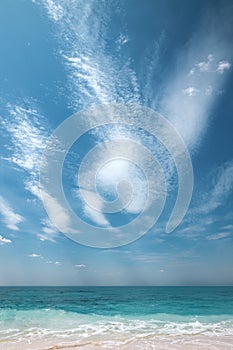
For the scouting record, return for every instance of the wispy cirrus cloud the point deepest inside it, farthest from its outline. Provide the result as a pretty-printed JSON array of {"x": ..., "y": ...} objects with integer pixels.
[
  {"x": 191, "y": 94},
  {"x": 216, "y": 194},
  {"x": 95, "y": 215},
  {"x": 58, "y": 214},
  {"x": 49, "y": 231},
  {"x": 95, "y": 75},
  {"x": 188, "y": 94},
  {"x": 9, "y": 217},
  {"x": 218, "y": 236},
  {"x": 98, "y": 76},
  {"x": 28, "y": 135},
  {"x": 222, "y": 188},
  {"x": 228, "y": 227}
]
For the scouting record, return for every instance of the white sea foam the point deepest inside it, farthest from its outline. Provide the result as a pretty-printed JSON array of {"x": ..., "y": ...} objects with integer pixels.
[{"x": 39, "y": 324}]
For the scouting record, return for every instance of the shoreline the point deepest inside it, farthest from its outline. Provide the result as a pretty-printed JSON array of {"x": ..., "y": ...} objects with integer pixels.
[{"x": 158, "y": 342}]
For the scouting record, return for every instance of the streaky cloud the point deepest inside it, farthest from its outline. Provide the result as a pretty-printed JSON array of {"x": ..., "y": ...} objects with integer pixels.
[{"x": 9, "y": 217}]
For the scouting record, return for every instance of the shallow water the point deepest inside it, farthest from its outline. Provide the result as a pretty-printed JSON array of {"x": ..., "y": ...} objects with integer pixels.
[{"x": 116, "y": 317}]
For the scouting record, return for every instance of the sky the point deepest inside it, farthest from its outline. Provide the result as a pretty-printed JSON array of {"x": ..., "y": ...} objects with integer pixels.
[{"x": 60, "y": 58}]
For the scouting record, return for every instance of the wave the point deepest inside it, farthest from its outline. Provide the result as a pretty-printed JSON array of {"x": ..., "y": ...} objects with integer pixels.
[
  {"x": 49, "y": 329},
  {"x": 63, "y": 324}
]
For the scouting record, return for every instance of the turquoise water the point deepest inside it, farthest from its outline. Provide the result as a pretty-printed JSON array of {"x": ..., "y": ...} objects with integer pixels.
[
  {"x": 121, "y": 301},
  {"x": 87, "y": 311}
]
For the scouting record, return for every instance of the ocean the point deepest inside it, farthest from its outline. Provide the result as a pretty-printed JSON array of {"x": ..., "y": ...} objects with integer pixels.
[{"x": 116, "y": 317}]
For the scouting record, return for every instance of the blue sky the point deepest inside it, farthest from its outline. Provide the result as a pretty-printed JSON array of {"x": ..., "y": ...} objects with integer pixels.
[{"x": 60, "y": 57}]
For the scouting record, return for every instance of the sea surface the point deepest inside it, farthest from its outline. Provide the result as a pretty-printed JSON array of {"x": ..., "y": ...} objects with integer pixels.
[{"x": 112, "y": 315}]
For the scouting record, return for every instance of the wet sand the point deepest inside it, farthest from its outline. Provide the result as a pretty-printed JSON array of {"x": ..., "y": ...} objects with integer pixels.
[{"x": 178, "y": 342}]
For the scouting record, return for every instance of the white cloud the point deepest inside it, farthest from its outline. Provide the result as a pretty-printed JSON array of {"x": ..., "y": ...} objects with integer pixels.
[
  {"x": 218, "y": 236},
  {"x": 190, "y": 115},
  {"x": 205, "y": 66},
  {"x": 122, "y": 40},
  {"x": 109, "y": 176},
  {"x": 34, "y": 255},
  {"x": 28, "y": 133},
  {"x": 113, "y": 171},
  {"x": 58, "y": 215},
  {"x": 191, "y": 91},
  {"x": 222, "y": 187},
  {"x": 57, "y": 263},
  {"x": 223, "y": 66},
  {"x": 49, "y": 231},
  {"x": 197, "y": 67},
  {"x": 9, "y": 217},
  {"x": 55, "y": 10},
  {"x": 96, "y": 77},
  {"x": 28, "y": 137},
  {"x": 210, "y": 66},
  {"x": 96, "y": 216},
  {"x": 228, "y": 227},
  {"x": 192, "y": 229},
  {"x": 4, "y": 240},
  {"x": 79, "y": 266}
]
